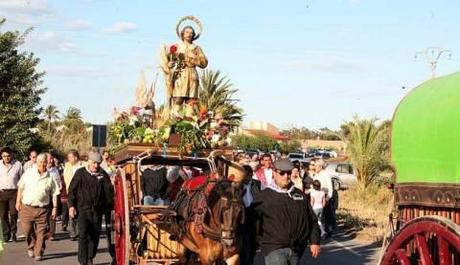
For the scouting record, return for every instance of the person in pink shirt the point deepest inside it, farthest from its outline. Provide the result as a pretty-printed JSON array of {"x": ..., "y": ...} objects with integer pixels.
[{"x": 265, "y": 173}]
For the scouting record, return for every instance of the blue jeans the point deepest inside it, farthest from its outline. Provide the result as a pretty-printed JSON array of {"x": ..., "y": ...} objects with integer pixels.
[
  {"x": 282, "y": 256},
  {"x": 149, "y": 200}
]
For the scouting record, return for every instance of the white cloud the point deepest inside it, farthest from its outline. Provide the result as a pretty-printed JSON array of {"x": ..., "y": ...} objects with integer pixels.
[
  {"x": 30, "y": 7},
  {"x": 121, "y": 27},
  {"x": 51, "y": 41},
  {"x": 79, "y": 24}
]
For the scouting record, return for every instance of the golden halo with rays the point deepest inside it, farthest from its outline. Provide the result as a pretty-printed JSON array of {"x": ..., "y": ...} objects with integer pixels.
[{"x": 193, "y": 19}]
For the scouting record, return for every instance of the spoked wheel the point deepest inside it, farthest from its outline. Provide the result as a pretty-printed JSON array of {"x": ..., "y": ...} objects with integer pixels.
[
  {"x": 429, "y": 240},
  {"x": 121, "y": 221}
]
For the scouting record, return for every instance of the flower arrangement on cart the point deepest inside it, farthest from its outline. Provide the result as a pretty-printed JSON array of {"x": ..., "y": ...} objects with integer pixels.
[{"x": 193, "y": 126}]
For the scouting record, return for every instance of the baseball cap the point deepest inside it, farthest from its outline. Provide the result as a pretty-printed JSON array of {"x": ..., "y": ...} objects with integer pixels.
[
  {"x": 95, "y": 157},
  {"x": 283, "y": 165}
]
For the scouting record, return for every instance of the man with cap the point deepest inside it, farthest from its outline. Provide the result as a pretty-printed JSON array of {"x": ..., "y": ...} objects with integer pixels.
[
  {"x": 90, "y": 194},
  {"x": 287, "y": 223}
]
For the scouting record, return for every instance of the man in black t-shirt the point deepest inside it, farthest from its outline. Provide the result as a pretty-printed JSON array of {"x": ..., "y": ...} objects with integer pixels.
[
  {"x": 287, "y": 222},
  {"x": 90, "y": 196},
  {"x": 154, "y": 186}
]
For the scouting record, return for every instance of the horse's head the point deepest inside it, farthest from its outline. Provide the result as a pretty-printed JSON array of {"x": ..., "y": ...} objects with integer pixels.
[{"x": 227, "y": 210}]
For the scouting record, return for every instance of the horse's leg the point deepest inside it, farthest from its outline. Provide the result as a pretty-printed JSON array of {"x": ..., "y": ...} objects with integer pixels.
[{"x": 233, "y": 260}]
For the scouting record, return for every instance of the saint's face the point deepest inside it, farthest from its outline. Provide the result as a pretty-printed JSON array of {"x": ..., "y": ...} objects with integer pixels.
[{"x": 188, "y": 35}]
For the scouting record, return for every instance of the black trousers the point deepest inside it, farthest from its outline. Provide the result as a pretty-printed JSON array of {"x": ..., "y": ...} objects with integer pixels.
[
  {"x": 108, "y": 232},
  {"x": 8, "y": 213},
  {"x": 89, "y": 229}
]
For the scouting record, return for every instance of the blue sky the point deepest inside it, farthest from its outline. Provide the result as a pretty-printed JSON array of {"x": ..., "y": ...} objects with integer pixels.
[{"x": 312, "y": 63}]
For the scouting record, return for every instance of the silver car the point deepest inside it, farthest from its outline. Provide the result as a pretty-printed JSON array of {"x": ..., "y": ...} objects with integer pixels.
[{"x": 343, "y": 175}]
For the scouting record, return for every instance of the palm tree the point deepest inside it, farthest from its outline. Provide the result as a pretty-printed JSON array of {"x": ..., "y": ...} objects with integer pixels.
[
  {"x": 367, "y": 147},
  {"x": 216, "y": 94},
  {"x": 73, "y": 120},
  {"x": 73, "y": 113},
  {"x": 50, "y": 114}
]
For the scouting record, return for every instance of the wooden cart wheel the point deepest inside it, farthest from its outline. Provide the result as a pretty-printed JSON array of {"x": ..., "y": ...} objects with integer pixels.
[
  {"x": 428, "y": 240},
  {"x": 121, "y": 221}
]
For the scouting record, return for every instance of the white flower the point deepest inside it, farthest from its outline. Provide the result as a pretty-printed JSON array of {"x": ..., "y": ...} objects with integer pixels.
[{"x": 132, "y": 120}]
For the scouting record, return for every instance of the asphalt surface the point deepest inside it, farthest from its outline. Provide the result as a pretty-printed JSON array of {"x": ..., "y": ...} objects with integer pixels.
[
  {"x": 341, "y": 249},
  {"x": 62, "y": 251}
]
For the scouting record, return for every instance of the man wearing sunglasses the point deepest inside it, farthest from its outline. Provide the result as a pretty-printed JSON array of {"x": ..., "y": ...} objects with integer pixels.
[{"x": 286, "y": 220}]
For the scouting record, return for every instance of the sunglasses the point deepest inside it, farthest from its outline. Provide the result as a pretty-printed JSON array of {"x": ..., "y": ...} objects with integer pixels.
[{"x": 284, "y": 172}]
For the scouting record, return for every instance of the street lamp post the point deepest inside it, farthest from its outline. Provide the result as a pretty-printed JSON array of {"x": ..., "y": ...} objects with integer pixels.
[{"x": 432, "y": 55}]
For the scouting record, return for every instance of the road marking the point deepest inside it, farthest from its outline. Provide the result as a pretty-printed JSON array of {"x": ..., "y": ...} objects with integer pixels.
[{"x": 346, "y": 248}]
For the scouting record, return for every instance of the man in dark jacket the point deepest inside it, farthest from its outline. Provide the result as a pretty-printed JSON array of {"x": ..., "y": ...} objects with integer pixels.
[
  {"x": 287, "y": 222},
  {"x": 90, "y": 195}
]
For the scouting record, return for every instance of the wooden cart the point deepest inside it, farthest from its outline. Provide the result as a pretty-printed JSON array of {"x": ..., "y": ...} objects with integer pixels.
[
  {"x": 138, "y": 240},
  {"x": 425, "y": 148}
]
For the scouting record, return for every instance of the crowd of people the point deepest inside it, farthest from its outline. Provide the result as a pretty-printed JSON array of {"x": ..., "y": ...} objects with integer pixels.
[
  {"x": 292, "y": 205},
  {"x": 43, "y": 190},
  {"x": 288, "y": 205}
]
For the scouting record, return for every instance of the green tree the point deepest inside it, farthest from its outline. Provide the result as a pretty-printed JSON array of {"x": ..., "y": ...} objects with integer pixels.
[
  {"x": 20, "y": 91},
  {"x": 50, "y": 114},
  {"x": 290, "y": 146},
  {"x": 216, "y": 93},
  {"x": 261, "y": 142},
  {"x": 367, "y": 147},
  {"x": 73, "y": 120}
]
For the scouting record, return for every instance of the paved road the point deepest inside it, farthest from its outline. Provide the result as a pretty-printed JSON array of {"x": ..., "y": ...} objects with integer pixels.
[
  {"x": 339, "y": 250},
  {"x": 342, "y": 249},
  {"x": 63, "y": 251}
]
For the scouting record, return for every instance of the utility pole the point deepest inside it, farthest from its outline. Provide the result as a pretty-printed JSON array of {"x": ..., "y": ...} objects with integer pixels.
[{"x": 432, "y": 56}]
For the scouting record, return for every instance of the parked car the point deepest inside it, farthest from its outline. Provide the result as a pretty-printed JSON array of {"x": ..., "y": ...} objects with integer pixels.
[
  {"x": 343, "y": 175},
  {"x": 276, "y": 153},
  {"x": 252, "y": 152},
  {"x": 300, "y": 157}
]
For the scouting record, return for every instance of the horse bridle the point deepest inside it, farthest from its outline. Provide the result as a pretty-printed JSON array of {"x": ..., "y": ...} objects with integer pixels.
[{"x": 229, "y": 213}]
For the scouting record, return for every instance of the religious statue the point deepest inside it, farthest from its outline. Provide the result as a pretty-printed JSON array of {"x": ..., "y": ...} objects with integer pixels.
[{"x": 179, "y": 62}]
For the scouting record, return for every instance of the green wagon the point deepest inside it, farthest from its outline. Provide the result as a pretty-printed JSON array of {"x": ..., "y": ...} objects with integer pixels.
[{"x": 425, "y": 149}]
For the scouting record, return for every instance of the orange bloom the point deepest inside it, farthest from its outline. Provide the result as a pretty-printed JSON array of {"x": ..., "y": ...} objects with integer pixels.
[{"x": 203, "y": 111}]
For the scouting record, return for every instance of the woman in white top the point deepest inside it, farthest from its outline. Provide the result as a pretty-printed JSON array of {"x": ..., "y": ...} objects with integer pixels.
[
  {"x": 318, "y": 202},
  {"x": 296, "y": 179}
]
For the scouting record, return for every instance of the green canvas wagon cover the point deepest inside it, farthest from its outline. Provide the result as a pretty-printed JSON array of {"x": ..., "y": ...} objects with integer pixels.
[{"x": 425, "y": 142}]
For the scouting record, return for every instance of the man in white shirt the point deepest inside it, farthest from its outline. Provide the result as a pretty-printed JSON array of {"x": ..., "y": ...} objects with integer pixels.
[
  {"x": 10, "y": 172},
  {"x": 35, "y": 189},
  {"x": 324, "y": 177}
]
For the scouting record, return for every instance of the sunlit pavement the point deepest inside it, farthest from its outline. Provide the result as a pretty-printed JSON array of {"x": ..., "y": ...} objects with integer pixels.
[
  {"x": 340, "y": 249},
  {"x": 62, "y": 251}
]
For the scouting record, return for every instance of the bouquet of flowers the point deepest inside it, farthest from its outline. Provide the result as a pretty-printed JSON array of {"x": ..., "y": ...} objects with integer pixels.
[
  {"x": 177, "y": 61},
  {"x": 194, "y": 123}
]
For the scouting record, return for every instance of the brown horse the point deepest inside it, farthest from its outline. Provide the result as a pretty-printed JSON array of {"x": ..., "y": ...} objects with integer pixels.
[{"x": 214, "y": 212}]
